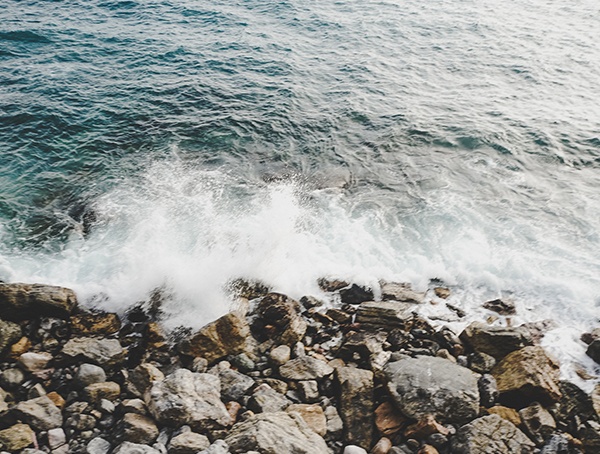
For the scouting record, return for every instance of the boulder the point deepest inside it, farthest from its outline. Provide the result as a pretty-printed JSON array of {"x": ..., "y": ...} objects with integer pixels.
[
  {"x": 312, "y": 415},
  {"x": 538, "y": 423},
  {"x": 40, "y": 413},
  {"x": 108, "y": 390},
  {"x": 278, "y": 318},
  {"x": 527, "y": 375},
  {"x": 388, "y": 420},
  {"x": 94, "y": 324},
  {"x": 491, "y": 435},
  {"x": 185, "y": 397},
  {"x": 20, "y": 301},
  {"x": 97, "y": 446},
  {"x": 429, "y": 385},
  {"x": 234, "y": 384},
  {"x": 9, "y": 334},
  {"x": 401, "y": 292},
  {"x": 56, "y": 438},
  {"x": 225, "y": 336},
  {"x": 218, "y": 447},
  {"x": 275, "y": 433},
  {"x": 34, "y": 362},
  {"x": 88, "y": 374},
  {"x": 16, "y": 438},
  {"x": 497, "y": 341},
  {"x": 574, "y": 406},
  {"x": 356, "y": 399},
  {"x": 308, "y": 391},
  {"x": 280, "y": 355},
  {"x": 188, "y": 443},
  {"x": 385, "y": 313},
  {"x": 305, "y": 368},
  {"x": 425, "y": 427},
  {"x": 355, "y": 294},
  {"x": 510, "y": 414},
  {"x": 103, "y": 352},
  {"x": 137, "y": 429},
  {"x": 142, "y": 377},
  {"x": 267, "y": 400}
]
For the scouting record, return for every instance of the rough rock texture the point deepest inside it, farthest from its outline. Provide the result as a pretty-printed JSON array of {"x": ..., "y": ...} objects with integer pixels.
[
  {"x": 502, "y": 307},
  {"x": 225, "y": 336},
  {"x": 185, "y": 397},
  {"x": 491, "y": 435},
  {"x": 108, "y": 390},
  {"x": 497, "y": 341},
  {"x": 88, "y": 374},
  {"x": 527, "y": 375},
  {"x": 279, "y": 318},
  {"x": 355, "y": 393},
  {"x": 510, "y": 414},
  {"x": 538, "y": 422},
  {"x": 388, "y": 313},
  {"x": 19, "y": 301},
  {"x": 275, "y": 433},
  {"x": 356, "y": 294},
  {"x": 305, "y": 368},
  {"x": 16, "y": 437},
  {"x": 430, "y": 385},
  {"x": 312, "y": 415},
  {"x": 134, "y": 448},
  {"x": 188, "y": 443},
  {"x": 34, "y": 362},
  {"x": 388, "y": 420},
  {"x": 401, "y": 292},
  {"x": 104, "y": 352},
  {"x": 142, "y": 377},
  {"x": 137, "y": 429},
  {"x": 234, "y": 384},
  {"x": 9, "y": 334},
  {"x": 94, "y": 324},
  {"x": 596, "y": 400},
  {"x": 40, "y": 413},
  {"x": 265, "y": 399}
]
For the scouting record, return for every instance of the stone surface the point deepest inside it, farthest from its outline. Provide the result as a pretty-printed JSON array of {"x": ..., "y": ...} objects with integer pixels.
[
  {"x": 104, "y": 352},
  {"x": 40, "y": 413},
  {"x": 596, "y": 400},
  {"x": 355, "y": 393},
  {"x": 305, "y": 368},
  {"x": 574, "y": 406},
  {"x": 137, "y": 428},
  {"x": 497, "y": 341},
  {"x": 355, "y": 294},
  {"x": 280, "y": 355},
  {"x": 188, "y": 443},
  {"x": 88, "y": 374},
  {"x": 218, "y": 447},
  {"x": 185, "y": 397},
  {"x": 388, "y": 420},
  {"x": 593, "y": 350},
  {"x": 104, "y": 390},
  {"x": 429, "y": 385},
  {"x": 538, "y": 423},
  {"x": 225, "y": 336},
  {"x": 308, "y": 391},
  {"x": 266, "y": 400},
  {"x": 527, "y": 375},
  {"x": 9, "y": 334},
  {"x": 353, "y": 449},
  {"x": 134, "y": 448},
  {"x": 234, "y": 384},
  {"x": 22, "y": 300},
  {"x": 425, "y": 427},
  {"x": 383, "y": 446},
  {"x": 275, "y": 433},
  {"x": 335, "y": 425},
  {"x": 312, "y": 415},
  {"x": 98, "y": 446},
  {"x": 56, "y": 438},
  {"x": 94, "y": 324},
  {"x": 279, "y": 319},
  {"x": 488, "y": 390},
  {"x": 401, "y": 292},
  {"x": 510, "y": 414},
  {"x": 502, "y": 307},
  {"x": 491, "y": 435},
  {"x": 16, "y": 437},
  {"x": 34, "y": 362},
  {"x": 481, "y": 362},
  {"x": 386, "y": 313},
  {"x": 142, "y": 377}
]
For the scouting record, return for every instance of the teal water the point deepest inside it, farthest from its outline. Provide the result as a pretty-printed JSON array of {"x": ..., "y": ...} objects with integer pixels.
[{"x": 184, "y": 143}]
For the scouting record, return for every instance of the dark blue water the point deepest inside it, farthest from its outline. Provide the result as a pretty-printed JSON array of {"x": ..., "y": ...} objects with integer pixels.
[{"x": 186, "y": 143}]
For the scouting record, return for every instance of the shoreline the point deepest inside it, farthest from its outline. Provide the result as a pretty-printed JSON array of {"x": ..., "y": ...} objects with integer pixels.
[{"x": 279, "y": 375}]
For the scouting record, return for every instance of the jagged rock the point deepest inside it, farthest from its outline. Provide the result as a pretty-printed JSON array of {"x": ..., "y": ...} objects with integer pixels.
[
  {"x": 9, "y": 334},
  {"x": 502, "y": 307},
  {"x": 590, "y": 337},
  {"x": 312, "y": 415},
  {"x": 40, "y": 413},
  {"x": 355, "y": 394},
  {"x": 16, "y": 437},
  {"x": 267, "y": 400},
  {"x": 280, "y": 355},
  {"x": 339, "y": 316},
  {"x": 538, "y": 423},
  {"x": 425, "y": 427},
  {"x": 560, "y": 444},
  {"x": 225, "y": 336},
  {"x": 386, "y": 313},
  {"x": 94, "y": 324},
  {"x": 137, "y": 428},
  {"x": 80, "y": 422},
  {"x": 308, "y": 391},
  {"x": 34, "y": 362},
  {"x": 305, "y": 368},
  {"x": 364, "y": 344},
  {"x": 527, "y": 375},
  {"x": 218, "y": 447},
  {"x": 481, "y": 362},
  {"x": 108, "y": 390},
  {"x": 278, "y": 385},
  {"x": 593, "y": 350},
  {"x": 488, "y": 390},
  {"x": 596, "y": 400},
  {"x": 491, "y": 435},
  {"x": 185, "y": 397},
  {"x": 134, "y": 448},
  {"x": 429, "y": 385},
  {"x": 279, "y": 319},
  {"x": 88, "y": 374},
  {"x": 19, "y": 301},
  {"x": 98, "y": 446},
  {"x": 332, "y": 285},
  {"x": 391, "y": 291},
  {"x": 274, "y": 433},
  {"x": 510, "y": 414},
  {"x": 356, "y": 294},
  {"x": 104, "y": 352},
  {"x": 142, "y": 377},
  {"x": 590, "y": 436},
  {"x": 388, "y": 420},
  {"x": 497, "y": 341},
  {"x": 574, "y": 406},
  {"x": 188, "y": 443},
  {"x": 234, "y": 384}
]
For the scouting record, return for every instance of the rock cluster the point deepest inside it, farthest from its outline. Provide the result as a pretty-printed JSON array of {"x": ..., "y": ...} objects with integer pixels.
[{"x": 284, "y": 377}]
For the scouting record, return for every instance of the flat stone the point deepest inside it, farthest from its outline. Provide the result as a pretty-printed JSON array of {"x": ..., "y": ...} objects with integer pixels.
[
  {"x": 312, "y": 415},
  {"x": 225, "y": 336},
  {"x": 20, "y": 301},
  {"x": 278, "y": 432},
  {"x": 9, "y": 334},
  {"x": 385, "y": 313},
  {"x": 104, "y": 352},
  {"x": 491, "y": 435},
  {"x": 94, "y": 324},
  {"x": 40, "y": 413},
  {"x": 355, "y": 389},
  {"x": 16, "y": 438},
  {"x": 305, "y": 368},
  {"x": 137, "y": 428},
  {"x": 34, "y": 362},
  {"x": 188, "y": 443},
  {"x": 497, "y": 341},
  {"x": 401, "y": 292},
  {"x": 88, "y": 374},
  {"x": 429, "y": 385}
]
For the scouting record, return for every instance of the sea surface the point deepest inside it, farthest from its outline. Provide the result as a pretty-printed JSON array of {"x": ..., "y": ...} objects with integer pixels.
[{"x": 182, "y": 144}]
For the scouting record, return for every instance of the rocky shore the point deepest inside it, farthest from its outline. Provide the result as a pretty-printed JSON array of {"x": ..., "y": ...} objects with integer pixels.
[{"x": 282, "y": 376}]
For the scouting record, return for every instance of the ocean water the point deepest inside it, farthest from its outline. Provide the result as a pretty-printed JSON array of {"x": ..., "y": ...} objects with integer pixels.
[{"x": 181, "y": 144}]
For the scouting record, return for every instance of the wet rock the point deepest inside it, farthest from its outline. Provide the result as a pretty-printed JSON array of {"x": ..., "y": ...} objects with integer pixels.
[
  {"x": 40, "y": 413},
  {"x": 88, "y": 374},
  {"x": 280, "y": 355},
  {"x": 142, "y": 377},
  {"x": 590, "y": 337},
  {"x": 234, "y": 384},
  {"x": 429, "y": 385},
  {"x": 385, "y": 313},
  {"x": 527, "y": 375},
  {"x": 279, "y": 319},
  {"x": 401, "y": 292},
  {"x": 104, "y": 390},
  {"x": 488, "y": 390},
  {"x": 34, "y": 362},
  {"x": 134, "y": 448},
  {"x": 497, "y": 341},
  {"x": 590, "y": 437},
  {"x": 510, "y": 414},
  {"x": 356, "y": 294},
  {"x": 225, "y": 336},
  {"x": 305, "y": 368},
  {"x": 312, "y": 415},
  {"x": 16, "y": 438},
  {"x": 425, "y": 427},
  {"x": 442, "y": 292},
  {"x": 9, "y": 334},
  {"x": 104, "y": 352},
  {"x": 188, "y": 443},
  {"x": 593, "y": 350},
  {"x": 388, "y": 420},
  {"x": 267, "y": 400},
  {"x": 278, "y": 432},
  {"x": 355, "y": 393},
  {"x": 137, "y": 428},
  {"x": 94, "y": 324},
  {"x": 185, "y": 397},
  {"x": 502, "y": 307},
  {"x": 491, "y": 435},
  {"x": 98, "y": 446},
  {"x": 339, "y": 316},
  {"x": 538, "y": 423},
  {"x": 20, "y": 301}
]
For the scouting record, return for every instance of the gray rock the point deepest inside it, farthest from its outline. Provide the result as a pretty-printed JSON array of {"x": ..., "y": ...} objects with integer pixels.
[
  {"x": 12, "y": 378},
  {"x": 274, "y": 433},
  {"x": 481, "y": 362},
  {"x": 88, "y": 374},
  {"x": 491, "y": 435},
  {"x": 559, "y": 444},
  {"x": 188, "y": 443},
  {"x": 98, "y": 446},
  {"x": 234, "y": 384},
  {"x": 134, "y": 448},
  {"x": 538, "y": 423},
  {"x": 387, "y": 313},
  {"x": 353, "y": 449},
  {"x": 218, "y": 447},
  {"x": 80, "y": 422},
  {"x": 34, "y": 362},
  {"x": 429, "y": 385},
  {"x": 497, "y": 341},
  {"x": 335, "y": 425},
  {"x": 40, "y": 413},
  {"x": 21, "y": 300},
  {"x": 137, "y": 429},
  {"x": 309, "y": 391},
  {"x": 104, "y": 352},
  {"x": 185, "y": 397},
  {"x": 267, "y": 400},
  {"x": 280, "y": 355},
  {"x": 355, "y": 393},
  {"x": 488, "y": 390},
  {"x": 9, "y": 334},
  {"x": 305, "y": 368},
  {"x": 401, "y": 292}
]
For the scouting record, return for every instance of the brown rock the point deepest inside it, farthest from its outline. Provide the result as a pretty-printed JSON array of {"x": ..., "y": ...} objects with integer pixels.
[
  {"x": 95, "y": 323},
  {"x": 332, "y": 285},
  {"x": 188, "y": 443},
  {"x": 16, "y": 438},
  {"x": 442, "y": 292},
  {"x": 527, "y": 375},
  {"x": 233, "y": 408},
  {"x": 355, "y": 393},
  {"x": 510, "y": 414},
  {"x": 137, "y": 428},
  {"x": 425, "y": 427},
  {"x": 20, "y": 301},
  {"x": 225, "y": 336},
  {"x": 502, "y": 307},
  {"x": 104, "y": 390},
  {"x": 20, "y": 347},
  {"x": 313, "y": 415},
  {"x": 388, "y": 420},
  {"x": 383, "y": 446},
  {"x": 155, "y": 336},
  {"x": 9, "y": 334},
  {"x": 279, "y": 318},
  {"x": 57, "y": 399},
  {"x": 497, "y": 341},
  {"x": 538, "y": 422},
  {"x": 596, "y": 400}
]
